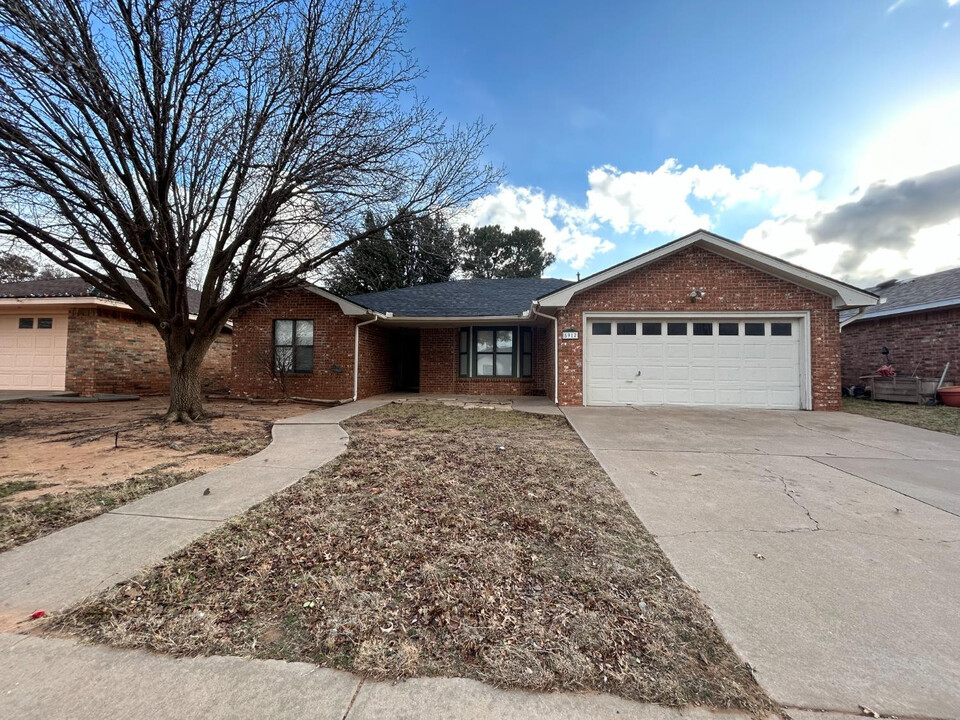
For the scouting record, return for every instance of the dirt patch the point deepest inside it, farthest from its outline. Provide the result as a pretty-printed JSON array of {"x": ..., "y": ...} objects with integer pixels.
[
  {"x": 64, "y": 463},
  {"x": 450, "y": 542},
  {"x": 66, "y": 447},
  {"x": 939, "y": 418}
]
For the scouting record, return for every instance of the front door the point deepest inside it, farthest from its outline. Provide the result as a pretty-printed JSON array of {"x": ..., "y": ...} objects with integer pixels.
[{"x": 407, "y": 361}]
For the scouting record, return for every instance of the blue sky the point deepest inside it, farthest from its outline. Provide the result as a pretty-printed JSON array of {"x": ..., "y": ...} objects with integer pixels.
[{"x": 795, "y": 127}]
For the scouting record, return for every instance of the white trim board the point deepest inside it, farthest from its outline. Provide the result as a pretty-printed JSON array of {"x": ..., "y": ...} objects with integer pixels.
[
  {"x": 803, "y": 316},
  {"x": 843, "y": 295}
]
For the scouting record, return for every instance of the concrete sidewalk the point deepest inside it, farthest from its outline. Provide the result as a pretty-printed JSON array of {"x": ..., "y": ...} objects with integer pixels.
[
  {"x": 52, "y": 679},
  {"x": 57, "y": 571}
]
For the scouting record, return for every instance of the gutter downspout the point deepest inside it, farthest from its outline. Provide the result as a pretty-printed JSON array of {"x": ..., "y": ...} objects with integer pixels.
[
  {"x": 356, "y": 353},
  {"x": 556, "y": 352}
]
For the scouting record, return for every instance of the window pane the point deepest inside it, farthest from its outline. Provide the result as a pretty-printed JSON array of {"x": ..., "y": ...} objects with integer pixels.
[
  {"x": 781, "y": 329},
  {"x": 304, "y": 359},
  {"x": 283, "y": 358},
  {"x": 504, "y": 340},
  {"x": 600, "y": 328},
  {"x": 652, "y": 329},
  {"x": 677, "y": 328},
  {"x": 283, "y": 332},
  {"x": 484, "y": 340},
  {"x": 47, "y": 323},
  {"x": 484, "y": 365},
  {"x": 703, "y": 328},
  {"x": 753, "y": 329},
  {"x": 464, "y": 365},
  {"x": 464, "y": 341},
  {"x": 729, "y": 328},
  {"x": 505, "y": 365},
  {"x": 526, "y": 339},
  {"x": 526, "y": 366},
  {"x": 304, "y": 332},
  {"x": 26, "y": 323},
  {"x": 626, "y": 328}
]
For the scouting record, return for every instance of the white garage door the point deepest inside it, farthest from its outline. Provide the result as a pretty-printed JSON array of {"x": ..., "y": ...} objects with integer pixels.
[
  {"x": 676, "y": 360},
  {"x": 33, "y": 351}
]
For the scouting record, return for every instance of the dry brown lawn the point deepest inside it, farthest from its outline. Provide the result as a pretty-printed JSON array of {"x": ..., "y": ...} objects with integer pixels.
[
  {"x": 62, "y": 463},
  {"x": 449, "y": 542},
  {"x": 939, "y": 418}
]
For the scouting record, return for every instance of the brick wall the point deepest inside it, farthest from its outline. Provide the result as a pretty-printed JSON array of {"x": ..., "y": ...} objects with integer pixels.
[
  {"x": 376, "y": 360},
  {"x": 110, "y": 351},
  {"x": 332, "y": 376},
  {"x": 664, "y": 286},
  {"x": 439, "y": 367},
  {"x": 926, "y": 341}
]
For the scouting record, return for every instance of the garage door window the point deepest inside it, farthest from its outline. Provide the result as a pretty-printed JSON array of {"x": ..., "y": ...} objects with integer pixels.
[
  {"x": 600, "y": 328},
  {"x": 652, "y": 328},
  {"x": 703, "y": 328},
  {"x": 626, "y": 328},
  {"x": 677, "y": 328},
  {"x": 728, "y": 328},
  {"x": 753, "y": 329},
  {"x": 44, "y": 323},
  {"x": 26, "y": 324},
  {"x": 781, "y": 329}
]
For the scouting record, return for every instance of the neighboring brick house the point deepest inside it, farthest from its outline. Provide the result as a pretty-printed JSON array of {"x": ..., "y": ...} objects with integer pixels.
[
  {"x": 917, "y": 320},
  {"x": 699, "y": 321},
  {"x": 58, "y": 334}
]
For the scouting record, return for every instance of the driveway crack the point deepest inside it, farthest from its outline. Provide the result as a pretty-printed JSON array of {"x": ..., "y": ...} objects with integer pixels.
[
  {"x": 793, "y": 498},
  {"x": 799, "y": 424}
]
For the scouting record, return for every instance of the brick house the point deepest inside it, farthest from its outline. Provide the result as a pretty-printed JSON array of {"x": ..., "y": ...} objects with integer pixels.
[
  {"x": 917, "y": 320},
  {"x": 699, "y": 321},
  {"x": 58, "y": 334}
]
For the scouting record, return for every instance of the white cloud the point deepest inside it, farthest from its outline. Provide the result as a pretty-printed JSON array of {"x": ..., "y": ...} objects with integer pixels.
[
  {"x": 659, "y": 201},
  {"x": 566, "y": 229}
]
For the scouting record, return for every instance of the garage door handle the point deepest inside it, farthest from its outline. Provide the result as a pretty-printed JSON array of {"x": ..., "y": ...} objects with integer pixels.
[{"x": 638, "y": 373}]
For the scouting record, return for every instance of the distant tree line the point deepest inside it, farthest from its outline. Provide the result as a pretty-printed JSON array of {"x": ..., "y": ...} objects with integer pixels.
[
  {"x": 423, "y": 250},
  {"x": 17, "y": 268}
]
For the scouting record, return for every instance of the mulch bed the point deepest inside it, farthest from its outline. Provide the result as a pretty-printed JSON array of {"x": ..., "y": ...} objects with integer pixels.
[{"x": 445, "y": 541}]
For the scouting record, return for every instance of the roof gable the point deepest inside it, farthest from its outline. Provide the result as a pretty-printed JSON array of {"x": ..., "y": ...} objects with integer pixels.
[{"x": 843, "y": 295}]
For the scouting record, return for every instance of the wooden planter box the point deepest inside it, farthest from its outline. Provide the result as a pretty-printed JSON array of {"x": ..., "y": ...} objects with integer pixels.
[{"x": 902, "y": 389}]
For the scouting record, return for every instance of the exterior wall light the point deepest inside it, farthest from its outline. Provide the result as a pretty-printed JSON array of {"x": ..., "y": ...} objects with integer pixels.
[{"x": 697, "y": 295}]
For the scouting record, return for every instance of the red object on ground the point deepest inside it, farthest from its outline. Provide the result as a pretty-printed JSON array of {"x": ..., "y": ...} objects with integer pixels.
[
  {"x": 950, "y": 396},
  {"x": 38, "y": 614}
]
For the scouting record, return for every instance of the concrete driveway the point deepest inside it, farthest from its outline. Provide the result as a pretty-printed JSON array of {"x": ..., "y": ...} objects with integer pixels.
[{"x": 827, "y": 545}]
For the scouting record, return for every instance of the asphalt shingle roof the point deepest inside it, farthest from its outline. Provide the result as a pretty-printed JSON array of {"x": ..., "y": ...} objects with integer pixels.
[
  {"x": 462, "y": 298},
  {"x": 73, "y": 287},
  {"x": 939, "y": 287}
]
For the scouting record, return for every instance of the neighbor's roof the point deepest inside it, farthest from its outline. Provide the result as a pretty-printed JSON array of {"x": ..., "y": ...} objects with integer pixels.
[
  {"x": 462, "y": 298},
  {"x": 74, "y": 287},
  {"x": 927, "y": 292}
]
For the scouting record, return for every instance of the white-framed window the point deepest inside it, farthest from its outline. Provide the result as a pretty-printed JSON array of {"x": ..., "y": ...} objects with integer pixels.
[{"x": 293, "y": 345}]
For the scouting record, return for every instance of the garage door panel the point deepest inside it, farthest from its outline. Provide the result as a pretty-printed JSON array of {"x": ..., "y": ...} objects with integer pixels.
[
  {"x": 702, "y": 370},
  {"x": 33, "y": 358}
]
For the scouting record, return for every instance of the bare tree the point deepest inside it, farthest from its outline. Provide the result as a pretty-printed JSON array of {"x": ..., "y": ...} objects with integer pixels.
[{"x": 234, "y": 144}]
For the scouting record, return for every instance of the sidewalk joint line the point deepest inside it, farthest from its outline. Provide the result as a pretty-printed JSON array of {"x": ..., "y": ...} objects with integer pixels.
[
  {"x": 353, "y": 699},
  {"x": 164, "y": 517}
]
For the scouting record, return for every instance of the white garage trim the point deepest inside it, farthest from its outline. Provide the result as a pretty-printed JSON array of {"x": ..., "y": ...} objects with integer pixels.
[{"x": 802, "y": 316}]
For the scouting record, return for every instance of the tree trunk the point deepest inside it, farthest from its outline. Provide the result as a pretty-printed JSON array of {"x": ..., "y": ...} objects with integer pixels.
[{"x": 186, "y": 400}]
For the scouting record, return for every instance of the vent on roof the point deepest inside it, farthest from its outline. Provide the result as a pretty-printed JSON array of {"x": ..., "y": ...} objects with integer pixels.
[{"x": 887, "y": 284}]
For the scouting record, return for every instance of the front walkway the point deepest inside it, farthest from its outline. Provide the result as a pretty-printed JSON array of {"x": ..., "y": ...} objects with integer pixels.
[
  {"x": 827, "y": 545},
  {"x": 57, "y": 571}
]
